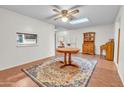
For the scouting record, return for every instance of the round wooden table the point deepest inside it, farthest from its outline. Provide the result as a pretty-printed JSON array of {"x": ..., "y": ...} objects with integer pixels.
[{"x": 68, "y": 51}]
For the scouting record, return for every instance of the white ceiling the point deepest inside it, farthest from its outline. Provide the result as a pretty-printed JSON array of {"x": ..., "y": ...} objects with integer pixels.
[{"x": 98, "y": 15}]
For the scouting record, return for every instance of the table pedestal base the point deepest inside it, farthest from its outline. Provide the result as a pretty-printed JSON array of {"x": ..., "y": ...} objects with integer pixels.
[
  {"x": 61, "y": 62},
  {"x": 74, "y": 65}
]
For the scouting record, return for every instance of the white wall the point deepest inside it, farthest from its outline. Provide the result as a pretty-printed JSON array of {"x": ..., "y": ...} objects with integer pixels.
[
  {"x": 10, "y": 55},
  {"x": 120, "y": 23},
  {"x": 103, "y": 34}
]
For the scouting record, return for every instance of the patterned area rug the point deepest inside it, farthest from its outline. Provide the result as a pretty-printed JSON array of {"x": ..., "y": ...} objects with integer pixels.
[{"x": 51, "y": 75}]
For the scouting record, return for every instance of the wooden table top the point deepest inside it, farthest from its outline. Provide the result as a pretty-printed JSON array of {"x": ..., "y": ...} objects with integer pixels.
[{"x": 68, "y": 50}]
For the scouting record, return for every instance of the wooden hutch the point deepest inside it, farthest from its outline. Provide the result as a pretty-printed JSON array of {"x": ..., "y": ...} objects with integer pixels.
[{"x": 88, "y": 46}]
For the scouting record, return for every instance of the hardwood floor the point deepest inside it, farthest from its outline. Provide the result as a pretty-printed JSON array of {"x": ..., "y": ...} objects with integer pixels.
[{"x": 104, "y": 75}]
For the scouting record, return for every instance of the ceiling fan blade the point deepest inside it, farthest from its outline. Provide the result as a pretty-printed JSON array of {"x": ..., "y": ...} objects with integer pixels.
[
  {"x": 58, "y": 18},
  {"x": 74, "y": 11},
  {"x": 76, "y": 6},
  {"x": 55, "y": 10},
  {"x": 56, "y": 7}
]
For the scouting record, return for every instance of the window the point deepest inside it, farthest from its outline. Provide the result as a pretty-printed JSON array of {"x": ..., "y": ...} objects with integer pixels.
[{"x": 26, "y": 39}]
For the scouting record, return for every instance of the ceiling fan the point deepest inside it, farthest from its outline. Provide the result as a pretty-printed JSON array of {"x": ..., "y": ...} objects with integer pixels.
[{"x": 65, "y": 14}]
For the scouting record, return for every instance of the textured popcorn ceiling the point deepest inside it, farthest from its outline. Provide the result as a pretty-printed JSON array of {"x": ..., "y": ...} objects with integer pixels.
[{"x": 97, "y": 14}]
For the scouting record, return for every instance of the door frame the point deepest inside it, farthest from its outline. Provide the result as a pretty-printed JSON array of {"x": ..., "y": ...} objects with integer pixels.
[{"x": 118, "y": 50}]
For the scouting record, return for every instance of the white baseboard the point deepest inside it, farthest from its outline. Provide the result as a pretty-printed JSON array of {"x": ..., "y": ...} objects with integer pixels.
[{"x": 119, "y": 74}]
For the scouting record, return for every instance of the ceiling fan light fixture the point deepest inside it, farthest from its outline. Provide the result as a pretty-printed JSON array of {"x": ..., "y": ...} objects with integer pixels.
[{"x": 64, "y": 19}]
